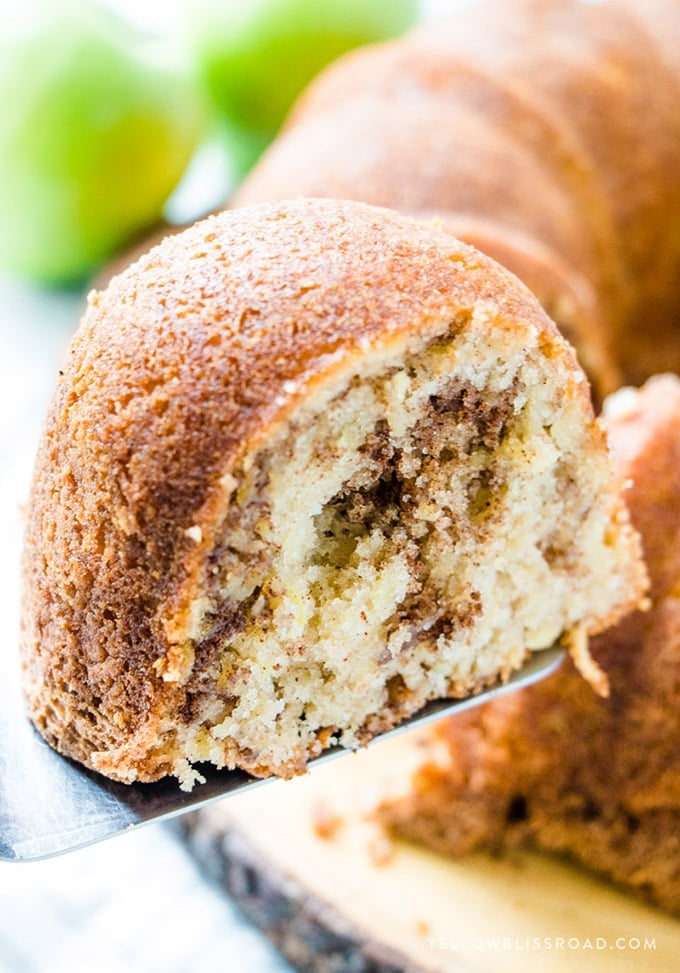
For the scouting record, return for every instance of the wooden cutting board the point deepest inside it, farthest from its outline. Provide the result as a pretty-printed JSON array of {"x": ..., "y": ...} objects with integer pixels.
[{"x": 306, "y": 863}]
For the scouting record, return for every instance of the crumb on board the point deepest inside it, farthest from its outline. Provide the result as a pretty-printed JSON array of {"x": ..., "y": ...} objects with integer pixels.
[{"x": 326, "y": 821}]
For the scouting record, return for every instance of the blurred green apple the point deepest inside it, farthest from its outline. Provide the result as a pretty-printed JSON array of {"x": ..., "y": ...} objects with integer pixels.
[
  {"x": 256, "y": 56},
  {"x": 97, "y": 125}
]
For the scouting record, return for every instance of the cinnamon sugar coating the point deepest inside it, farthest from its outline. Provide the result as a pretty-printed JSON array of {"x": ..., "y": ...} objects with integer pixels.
[
  {"x": 543, "y": 132},
  {"x": 288, "y": 452}
]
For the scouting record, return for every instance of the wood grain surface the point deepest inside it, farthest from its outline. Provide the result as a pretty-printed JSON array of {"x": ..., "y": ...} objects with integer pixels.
[{"x": 309, "y": 866}]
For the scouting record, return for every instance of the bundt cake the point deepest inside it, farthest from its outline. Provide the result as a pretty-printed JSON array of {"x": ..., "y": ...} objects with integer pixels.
[
  {"x": 544, "y": 132},
  {"x": 555, "y": 766},
  {"x": 309, "y": 465}
]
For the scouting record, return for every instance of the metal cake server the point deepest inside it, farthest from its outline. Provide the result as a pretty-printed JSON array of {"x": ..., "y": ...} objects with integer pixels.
[{"x": 50, "y": 805}]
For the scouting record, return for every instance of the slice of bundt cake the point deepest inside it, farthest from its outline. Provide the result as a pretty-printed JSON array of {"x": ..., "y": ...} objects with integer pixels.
[
  {"x": 309, "y": 465},
  {"x": 557, "y": 767}
]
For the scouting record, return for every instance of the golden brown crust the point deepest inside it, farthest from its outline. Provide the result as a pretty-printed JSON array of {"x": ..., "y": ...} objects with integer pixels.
[
  {"x": 566, "y": 295},
  {"x": 554, "y": 118},
  {"x": 558, "y": 768},
  {"x": 175, "y": 372}
]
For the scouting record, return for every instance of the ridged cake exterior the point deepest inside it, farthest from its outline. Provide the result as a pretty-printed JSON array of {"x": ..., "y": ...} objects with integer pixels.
[{"x": 543, "y": 132}]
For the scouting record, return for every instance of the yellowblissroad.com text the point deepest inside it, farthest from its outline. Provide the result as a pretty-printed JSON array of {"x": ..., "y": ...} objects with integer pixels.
[{"x": 541, "y": 943}]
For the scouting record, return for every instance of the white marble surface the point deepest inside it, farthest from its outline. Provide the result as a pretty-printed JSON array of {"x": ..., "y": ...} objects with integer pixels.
[{"x": 137, "y": 903}]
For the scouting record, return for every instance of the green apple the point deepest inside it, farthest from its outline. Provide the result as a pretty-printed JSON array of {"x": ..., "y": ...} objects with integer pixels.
[
  {"x": 256, "y": 56},
  {"x": 97, "y": 124}
]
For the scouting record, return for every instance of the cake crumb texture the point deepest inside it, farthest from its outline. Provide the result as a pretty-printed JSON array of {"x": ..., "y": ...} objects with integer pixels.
[
  {"x": 554, "y": 766},
  {"x": 310, "y": 464}
]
